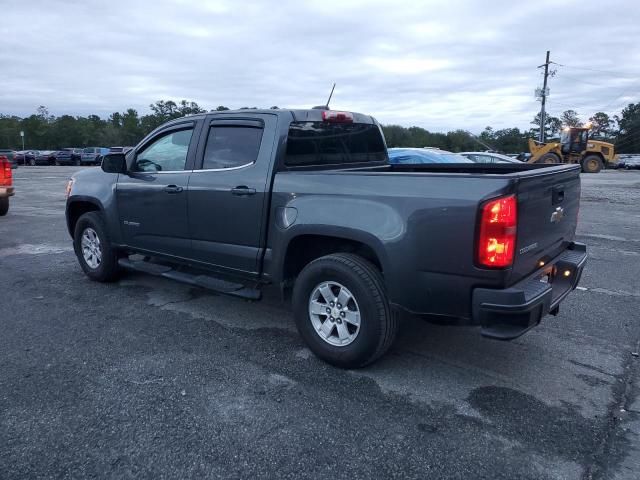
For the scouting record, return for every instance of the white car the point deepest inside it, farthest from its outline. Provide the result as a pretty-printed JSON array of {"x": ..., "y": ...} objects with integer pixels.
[{"x": 489, "y": 157}]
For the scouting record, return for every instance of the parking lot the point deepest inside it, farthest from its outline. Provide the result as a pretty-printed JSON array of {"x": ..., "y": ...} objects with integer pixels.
[{"x": 149, "y": 378}]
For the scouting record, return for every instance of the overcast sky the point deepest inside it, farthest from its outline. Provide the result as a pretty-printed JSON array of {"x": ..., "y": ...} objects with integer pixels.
[{"x": 441, "y": 65}]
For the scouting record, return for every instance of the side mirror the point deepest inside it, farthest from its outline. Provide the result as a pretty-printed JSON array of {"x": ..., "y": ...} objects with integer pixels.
[{"x": 114, "y": 163}]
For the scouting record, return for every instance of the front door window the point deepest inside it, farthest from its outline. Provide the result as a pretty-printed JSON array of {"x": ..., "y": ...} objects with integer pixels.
[{"x": 166, "y": 154}]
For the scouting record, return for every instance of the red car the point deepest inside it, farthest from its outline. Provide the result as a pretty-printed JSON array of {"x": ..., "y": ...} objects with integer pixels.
[{"x": 6, "y": 185}]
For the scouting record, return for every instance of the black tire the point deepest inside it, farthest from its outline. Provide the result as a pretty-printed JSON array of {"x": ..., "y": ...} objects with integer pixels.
[
  {"x": 57, "y": 163},
  {"x": 76, "y": 162},
  {"x": 592, "y": 164},
  {"x": 378, "y": 323},
  {"x": 549, "y": 158},
  {"x": 32, "y": 162},
  {"x": 107, "y": 270},
  {"x": 4, "y": 206}
]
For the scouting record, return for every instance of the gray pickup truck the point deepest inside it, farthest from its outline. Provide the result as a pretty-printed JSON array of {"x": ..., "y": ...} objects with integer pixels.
[{"x": 307, "y": 200}]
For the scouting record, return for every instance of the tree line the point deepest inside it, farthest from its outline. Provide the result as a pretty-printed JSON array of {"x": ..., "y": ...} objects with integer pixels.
[{"x": 44, "y": 131}]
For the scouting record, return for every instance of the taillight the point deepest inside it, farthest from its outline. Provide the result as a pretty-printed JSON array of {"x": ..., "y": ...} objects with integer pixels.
[
  {"x": 497, "y": 238},
  {"x": 337, "y": 117},
  {"x": 6, "y": 177}
]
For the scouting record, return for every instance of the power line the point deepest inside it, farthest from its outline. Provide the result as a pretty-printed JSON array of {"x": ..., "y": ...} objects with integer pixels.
[
  {"x": 595, "y": 70},
  {"x": 578, "y": 79}
]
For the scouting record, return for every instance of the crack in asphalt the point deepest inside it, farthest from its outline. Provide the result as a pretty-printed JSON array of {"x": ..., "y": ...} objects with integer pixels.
[{"x": 602, "y": 460}]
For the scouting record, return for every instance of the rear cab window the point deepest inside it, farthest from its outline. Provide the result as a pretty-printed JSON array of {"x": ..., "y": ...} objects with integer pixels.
[{"x": 317, "y": 143}]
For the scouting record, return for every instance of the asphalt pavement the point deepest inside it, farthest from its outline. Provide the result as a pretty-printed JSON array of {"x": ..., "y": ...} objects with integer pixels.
[{"x": 147, "y": 378}]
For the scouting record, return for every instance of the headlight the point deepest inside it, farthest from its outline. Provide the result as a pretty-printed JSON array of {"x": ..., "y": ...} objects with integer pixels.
[{"x": 69, "y": 187}]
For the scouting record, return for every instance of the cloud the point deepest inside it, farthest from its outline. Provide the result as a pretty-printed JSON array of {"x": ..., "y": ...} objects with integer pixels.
[{"x": 459, "y": 64}]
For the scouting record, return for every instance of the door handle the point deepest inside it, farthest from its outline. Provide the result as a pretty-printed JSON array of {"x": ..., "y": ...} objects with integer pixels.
[
  {"x": 172, "y": 189},
  {"x": 243, "y": 190}
]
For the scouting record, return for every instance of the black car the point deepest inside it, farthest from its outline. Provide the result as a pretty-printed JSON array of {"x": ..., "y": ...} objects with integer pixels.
[
  {"x": 11, "y": 156},
  {"x": 44, "y": 157},
  {"x": 26, "y": 157},
  {"x": 68, "y": 156}
]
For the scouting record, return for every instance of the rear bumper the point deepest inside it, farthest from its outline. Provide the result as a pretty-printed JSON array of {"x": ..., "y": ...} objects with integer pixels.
[
  {"x": 6, "y": 192},
  {"x": 507, "y": 314}
]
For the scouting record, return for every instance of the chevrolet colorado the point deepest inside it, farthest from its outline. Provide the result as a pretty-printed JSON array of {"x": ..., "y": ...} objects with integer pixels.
[{"x": 307, "y": 200}]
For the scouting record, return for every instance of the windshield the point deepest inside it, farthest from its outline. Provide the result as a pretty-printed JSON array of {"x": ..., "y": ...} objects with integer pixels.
[{"x": 424, "y": 155}]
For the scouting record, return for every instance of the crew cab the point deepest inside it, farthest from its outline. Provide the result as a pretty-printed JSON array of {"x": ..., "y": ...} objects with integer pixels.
[
  {"x": 6, "y": 185},
  {"x": 308, "y": 201}
]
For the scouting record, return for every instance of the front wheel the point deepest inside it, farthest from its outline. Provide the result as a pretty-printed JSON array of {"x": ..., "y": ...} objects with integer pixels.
[
  {"x": 342, "y": 311},
  {"x": 591, "y": 164},
  {"x": 96, "y": 256},
  {"x": 549, "y": 158},
  {"x": 4, "y": 206},
  {"x": 32, "y": 162}
]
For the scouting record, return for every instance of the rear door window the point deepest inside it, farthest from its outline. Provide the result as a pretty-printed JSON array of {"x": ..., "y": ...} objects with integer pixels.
[
  {"x": 230, "y": 146},
  {"x": 323, "y": 143}
]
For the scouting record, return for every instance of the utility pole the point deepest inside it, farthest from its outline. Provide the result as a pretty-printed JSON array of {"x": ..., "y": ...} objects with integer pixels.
[{"x": 544, "y": 96}]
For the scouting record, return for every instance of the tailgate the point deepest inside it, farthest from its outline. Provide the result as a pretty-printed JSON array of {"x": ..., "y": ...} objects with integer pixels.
[{"x": 548, "y": 204}]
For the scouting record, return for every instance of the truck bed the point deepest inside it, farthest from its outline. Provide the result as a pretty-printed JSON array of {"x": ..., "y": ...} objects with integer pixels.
[{"x": 422, "y": 220}]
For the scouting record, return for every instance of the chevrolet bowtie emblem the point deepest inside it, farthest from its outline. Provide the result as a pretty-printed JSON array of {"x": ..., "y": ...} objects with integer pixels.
[{"x": 557, "y": 215}]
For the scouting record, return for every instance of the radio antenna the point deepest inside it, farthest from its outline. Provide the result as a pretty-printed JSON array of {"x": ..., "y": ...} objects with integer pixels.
[
  {"x": 326, "y": 105},
  {"x": 330, "y": 95}
]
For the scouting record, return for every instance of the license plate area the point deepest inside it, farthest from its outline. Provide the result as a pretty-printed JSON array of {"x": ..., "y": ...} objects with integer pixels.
[{"x": 546, "y": 277}]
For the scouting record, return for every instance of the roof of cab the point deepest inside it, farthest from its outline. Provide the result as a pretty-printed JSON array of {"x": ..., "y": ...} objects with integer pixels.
[{"x": 300, "y": 115}]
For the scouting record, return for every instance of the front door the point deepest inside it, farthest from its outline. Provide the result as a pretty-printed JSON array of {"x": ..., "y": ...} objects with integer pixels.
[
  {"x": 152, "y": 195},
  {"x": 228, "y": 191}
]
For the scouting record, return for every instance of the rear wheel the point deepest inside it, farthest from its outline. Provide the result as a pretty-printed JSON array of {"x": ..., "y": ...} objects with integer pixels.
[
  {"x": 32, "y": 162},
  {"x": 4, "y": 206},
  {"x": 342, "y": 312},
  {"x": 98, "y": 259},
  {"x": 591, "y": 164},
  {"x": 549, "y": 158}
]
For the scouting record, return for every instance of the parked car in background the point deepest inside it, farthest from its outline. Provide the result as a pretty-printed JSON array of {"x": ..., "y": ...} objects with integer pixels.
[
  {"x": 489, "y": 157},
  {"x": 93, "y": 155},
  {"x": 632, "y": 163},
  {"x": 6, "y": 185},
  {"x": 44, "y": 157},
  {"x": 10, "y": 155},
  {"x": 68, "y": 156},
  {"x": 119, "y": 149},
  {"x": 413, "y": 156},
  {"x": 25, "y": 157}
]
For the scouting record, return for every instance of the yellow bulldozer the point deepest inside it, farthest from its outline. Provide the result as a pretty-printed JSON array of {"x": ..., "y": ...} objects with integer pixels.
[{"x": 574, "y": 146}]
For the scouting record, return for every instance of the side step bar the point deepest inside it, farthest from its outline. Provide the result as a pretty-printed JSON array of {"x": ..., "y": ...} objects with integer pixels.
[{"x": 198, "y": 280}]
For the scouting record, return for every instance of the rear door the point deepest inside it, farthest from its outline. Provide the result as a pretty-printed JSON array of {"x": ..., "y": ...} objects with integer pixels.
[
  {"x": 152, "y": 195},
  {"x": 548, "y": 204},
  {"x": 228, "y": 190}
]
